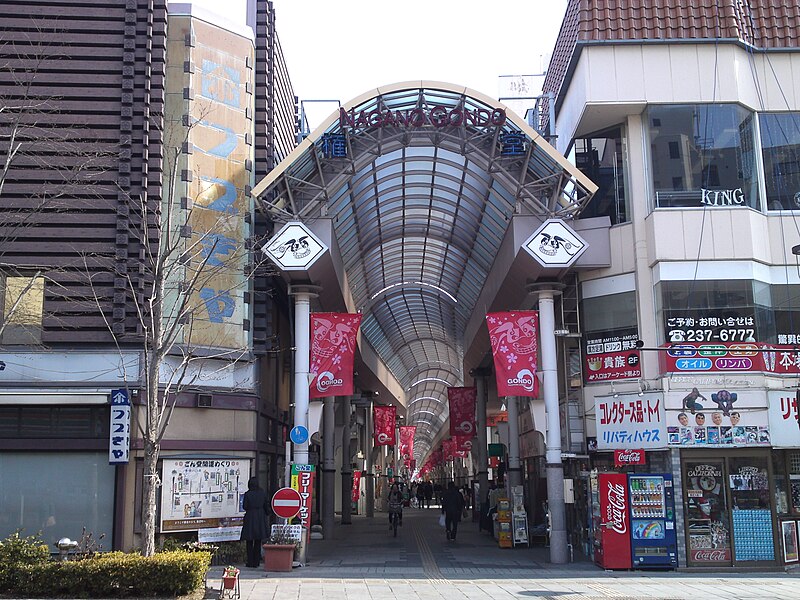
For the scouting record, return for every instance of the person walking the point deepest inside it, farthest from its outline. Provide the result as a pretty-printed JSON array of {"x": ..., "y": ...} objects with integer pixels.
[
  {"x": 254, "y": 526},
  {"x": 420, "y": 491},
  {"x": 452, "y": 507},
  {"x": 428, "y": 493}
]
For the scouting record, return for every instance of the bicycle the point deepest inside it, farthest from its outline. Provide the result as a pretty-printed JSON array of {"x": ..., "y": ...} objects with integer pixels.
[{"x": 395, "y": 510}]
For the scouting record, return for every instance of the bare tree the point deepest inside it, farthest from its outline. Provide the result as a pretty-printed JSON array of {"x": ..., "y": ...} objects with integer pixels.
[{"x": 189, "y": 272}]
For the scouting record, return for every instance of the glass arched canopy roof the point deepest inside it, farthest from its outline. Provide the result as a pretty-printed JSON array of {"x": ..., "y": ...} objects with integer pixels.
[{"x": 421, "y": 180}]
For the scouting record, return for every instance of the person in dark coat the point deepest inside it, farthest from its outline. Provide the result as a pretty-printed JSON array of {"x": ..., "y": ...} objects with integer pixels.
[
  {"x": 428, "y": 494},
  {"x": 255, "y": 528},
  {"x": 452, "y": 507}
]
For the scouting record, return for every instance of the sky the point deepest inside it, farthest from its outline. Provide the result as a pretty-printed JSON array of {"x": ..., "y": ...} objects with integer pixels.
[{"x": 339, "y": 49}]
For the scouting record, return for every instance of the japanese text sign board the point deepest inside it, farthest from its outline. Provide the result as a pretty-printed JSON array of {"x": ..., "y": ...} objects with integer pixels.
[
  {"x": 119, "y": 437},
  {"x": 783, "y": 415},
  {"x": 303, "y": 482},
  {"x": 630, "y": 422}
]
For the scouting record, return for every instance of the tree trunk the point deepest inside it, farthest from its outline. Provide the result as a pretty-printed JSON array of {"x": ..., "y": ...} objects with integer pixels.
[{"x": 149, "y": 489}]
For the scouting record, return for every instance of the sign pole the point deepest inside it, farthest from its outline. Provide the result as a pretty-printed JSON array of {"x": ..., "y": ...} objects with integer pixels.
[{"x": 555, "y": 466}]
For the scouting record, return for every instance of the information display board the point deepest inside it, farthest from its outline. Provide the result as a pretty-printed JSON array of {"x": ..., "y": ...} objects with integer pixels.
[{"x": 202, "y": 493}]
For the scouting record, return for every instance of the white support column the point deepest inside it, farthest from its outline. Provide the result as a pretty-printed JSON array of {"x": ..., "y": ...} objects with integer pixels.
[
  {"x": 302, "y": 317},
  {"x": 555, "y": 468},
  {"x": 328, "y": 466}
]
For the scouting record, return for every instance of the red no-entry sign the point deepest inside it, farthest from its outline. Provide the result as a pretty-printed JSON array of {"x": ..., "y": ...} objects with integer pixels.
[{"x": 286, "y": 503}]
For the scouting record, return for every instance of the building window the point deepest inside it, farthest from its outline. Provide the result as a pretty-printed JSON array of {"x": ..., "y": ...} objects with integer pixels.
[
  {"x": 780, "y": 149},
  {"x": 22, "y": 301},
  {"x": 69, "y": 491},
  {"x": 703, "y": 156},
  {"x": 610, "y": 332},
  {"x": 735, "y": 310},
  {"x": 601, "y": 158}
]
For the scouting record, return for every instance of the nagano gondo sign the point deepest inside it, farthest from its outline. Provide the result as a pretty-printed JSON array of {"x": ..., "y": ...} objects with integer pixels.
[{"x": 437, "y": 116}]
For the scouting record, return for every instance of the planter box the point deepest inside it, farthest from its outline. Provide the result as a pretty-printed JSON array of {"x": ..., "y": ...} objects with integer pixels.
[{"x": 278, "y": 557}]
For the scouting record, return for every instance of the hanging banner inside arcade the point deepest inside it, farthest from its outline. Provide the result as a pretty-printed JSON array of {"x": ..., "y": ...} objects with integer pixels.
[
  {"x": 407, "y": 442},
  {"x": 717, "y": 417},
  {"x": 383, "y": 419},
  {"x": 462, "y": 402},
  {"x": 513, "y": 336},
  {"x": 203, "y": 493},
  {"x": 333, "y": 346}
]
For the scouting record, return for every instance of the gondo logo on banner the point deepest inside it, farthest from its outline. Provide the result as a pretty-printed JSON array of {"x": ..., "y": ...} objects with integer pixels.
[
  {"x": 514, "y": 339},
  {"x": 383, "y": 419},
  {"x": 333, "y": 345}
]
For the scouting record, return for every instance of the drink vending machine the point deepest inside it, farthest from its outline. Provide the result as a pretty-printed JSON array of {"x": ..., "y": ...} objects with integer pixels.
[
  {"x": 653, "y": 540},
  {"x": 633, "y": 521}
]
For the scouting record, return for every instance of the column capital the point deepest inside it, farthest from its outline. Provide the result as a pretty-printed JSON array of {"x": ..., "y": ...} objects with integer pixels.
[
  {"x": 552, "y": 288},
  {"x": 305, "y": 289}
]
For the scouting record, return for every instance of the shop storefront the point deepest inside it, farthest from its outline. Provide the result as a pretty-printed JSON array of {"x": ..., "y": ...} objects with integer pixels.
[
  {"x": 785, "y": 429},
  {"x": 729, "y": 507}
]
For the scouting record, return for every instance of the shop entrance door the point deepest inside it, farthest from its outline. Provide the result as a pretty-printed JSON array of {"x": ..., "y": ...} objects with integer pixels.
[
  {"x": 729, "y": 516},
  {"x": 708, "y": 533}
]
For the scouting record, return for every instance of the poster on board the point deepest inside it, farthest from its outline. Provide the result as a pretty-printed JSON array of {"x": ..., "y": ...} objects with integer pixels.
[{"x": 202, "y": 493}]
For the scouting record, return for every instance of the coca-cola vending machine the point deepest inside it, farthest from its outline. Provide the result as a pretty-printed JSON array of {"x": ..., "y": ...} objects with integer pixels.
[{"x": 611, "y": 520}]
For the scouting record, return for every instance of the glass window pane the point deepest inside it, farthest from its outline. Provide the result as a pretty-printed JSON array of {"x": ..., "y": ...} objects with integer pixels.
[
  {"x": 71, "y": 490},
  {"x": 780, "y": 148},
  {"x": 702, "y": 155},
  {"x": 602, "y": 159},
  {"x": 609, "y": 313}
]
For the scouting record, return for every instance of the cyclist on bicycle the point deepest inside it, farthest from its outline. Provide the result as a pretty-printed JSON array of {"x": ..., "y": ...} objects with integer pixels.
[{"x": 395, "y": 504}]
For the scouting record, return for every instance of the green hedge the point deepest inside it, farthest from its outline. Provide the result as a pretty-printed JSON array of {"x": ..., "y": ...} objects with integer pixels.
[{"x": 111, "y": 575}]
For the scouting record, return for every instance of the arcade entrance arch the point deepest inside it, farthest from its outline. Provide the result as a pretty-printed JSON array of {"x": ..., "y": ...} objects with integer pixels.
[{"x": 424, "y": 192}]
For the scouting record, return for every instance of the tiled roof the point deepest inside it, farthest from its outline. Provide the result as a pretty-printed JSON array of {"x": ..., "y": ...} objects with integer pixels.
[{"x": 765, "y": 24}]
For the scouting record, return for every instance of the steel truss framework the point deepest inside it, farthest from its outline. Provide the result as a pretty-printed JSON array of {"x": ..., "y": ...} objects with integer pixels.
[{"x": 419, "y": 213}]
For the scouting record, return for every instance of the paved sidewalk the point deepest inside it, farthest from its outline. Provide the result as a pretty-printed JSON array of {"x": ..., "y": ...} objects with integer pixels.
[{"x": 364, "y": 561}]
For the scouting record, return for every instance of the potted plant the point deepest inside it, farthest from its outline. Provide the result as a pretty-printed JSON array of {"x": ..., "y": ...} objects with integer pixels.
[{"x": 279, "y": 549}]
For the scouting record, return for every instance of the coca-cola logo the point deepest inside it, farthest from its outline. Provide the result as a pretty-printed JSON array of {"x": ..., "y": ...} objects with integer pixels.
[
  {"x": 616, "y": 513},
  {"x": 711, "y": 555},
  {"x": 629, "y": 457}
]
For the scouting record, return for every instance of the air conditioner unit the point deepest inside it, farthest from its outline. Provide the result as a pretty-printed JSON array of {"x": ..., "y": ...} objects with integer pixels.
[{"x": 204, "y": 400}]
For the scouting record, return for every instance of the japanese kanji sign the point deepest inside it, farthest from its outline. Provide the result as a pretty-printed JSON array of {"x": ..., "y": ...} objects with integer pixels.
[
  {"x": 303, "y": 482},
  {"x": 783, "y": 417},
  {"x": 731, "y": 356},
  {"x": 630, "y": 421},
  {"x": 119, "y": 437},
  {"x": 610, "y": 356}
]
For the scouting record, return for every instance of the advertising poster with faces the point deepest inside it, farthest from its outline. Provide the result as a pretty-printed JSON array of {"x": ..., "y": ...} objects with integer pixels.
[{"x": 717, "y": 417}]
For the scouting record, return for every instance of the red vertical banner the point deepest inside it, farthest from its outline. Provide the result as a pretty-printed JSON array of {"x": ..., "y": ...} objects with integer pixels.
[
  {"x": 407, "y": 442},
  {"x": 333, "y": 346},
  {"x": 448, "y": 449},
  {"x": 356, "y": 486},
  {"x": 462, "y": 401},
  {"x": 463, "y": 443},
  {"x": 514, "y": 339},
  {"x": 615, "y": 541},
  {"x": 383, "y": 419}
]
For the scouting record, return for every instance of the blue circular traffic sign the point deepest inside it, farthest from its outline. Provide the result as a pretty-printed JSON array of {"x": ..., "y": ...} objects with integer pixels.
[{"x": 299, "y": 435}]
